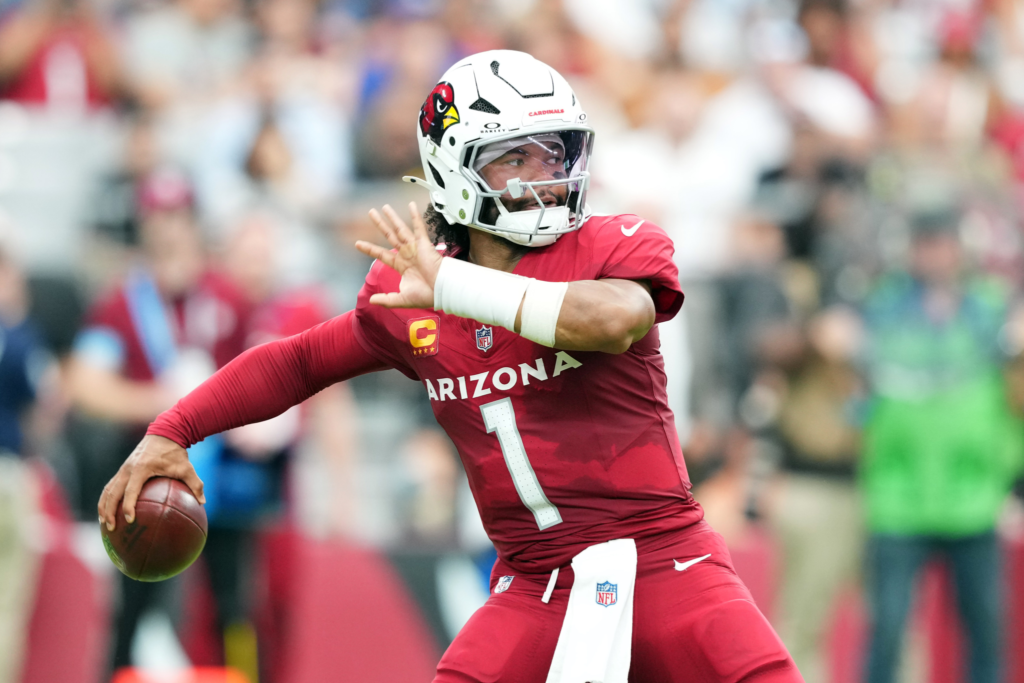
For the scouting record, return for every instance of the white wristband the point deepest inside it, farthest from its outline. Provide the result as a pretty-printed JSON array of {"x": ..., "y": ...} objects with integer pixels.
[
  {"x": 484, "y": 294},
  {"x": 541, "y": 307}
]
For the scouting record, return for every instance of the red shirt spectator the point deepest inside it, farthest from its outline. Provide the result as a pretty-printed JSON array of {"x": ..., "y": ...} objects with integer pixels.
[
  {"x": 59, "y": 56},
  {"x": 211, "y": 317}
]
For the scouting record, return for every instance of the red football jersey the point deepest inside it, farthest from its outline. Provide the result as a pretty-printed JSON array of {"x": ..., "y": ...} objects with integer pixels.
[{"x": 563, "y": 449}]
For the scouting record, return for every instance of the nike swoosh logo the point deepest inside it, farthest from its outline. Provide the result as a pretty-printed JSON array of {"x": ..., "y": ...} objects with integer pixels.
[
  {"x": 683, "y": 566},
  {"x": 629, "y": 233}
]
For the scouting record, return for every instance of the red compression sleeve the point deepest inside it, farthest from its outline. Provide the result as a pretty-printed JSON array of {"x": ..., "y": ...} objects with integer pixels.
[{"x": 267, "y": 380}]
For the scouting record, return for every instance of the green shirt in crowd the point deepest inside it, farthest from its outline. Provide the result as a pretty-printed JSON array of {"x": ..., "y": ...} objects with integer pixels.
[{"x": 942, "y": 444}]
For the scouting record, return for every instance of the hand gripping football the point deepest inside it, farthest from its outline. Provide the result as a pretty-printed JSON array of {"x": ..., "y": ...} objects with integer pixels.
[{"x": 167, "y": 535}]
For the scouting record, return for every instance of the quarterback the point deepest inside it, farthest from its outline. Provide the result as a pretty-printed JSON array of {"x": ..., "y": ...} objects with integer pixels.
[{"x": 531, "y": 324}]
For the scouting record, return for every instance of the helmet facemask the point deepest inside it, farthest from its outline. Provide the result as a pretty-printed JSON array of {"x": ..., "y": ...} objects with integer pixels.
[
  {"x": 486, "y": 104},
  {"x": 539, "y": 210}
]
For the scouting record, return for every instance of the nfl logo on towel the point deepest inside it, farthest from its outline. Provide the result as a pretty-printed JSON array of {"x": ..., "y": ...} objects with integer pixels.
[
  {"x": 503, "y": 584},
  {"x": 484, "y": 338},
  {"x": 607, "y": 594}
]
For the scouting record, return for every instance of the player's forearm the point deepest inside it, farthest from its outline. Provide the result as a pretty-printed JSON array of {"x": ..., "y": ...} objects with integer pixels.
[
  {"x": 267, "y": 380},
  {"x": 586, "y": 315},
  {"x": 602, "y": 315}
]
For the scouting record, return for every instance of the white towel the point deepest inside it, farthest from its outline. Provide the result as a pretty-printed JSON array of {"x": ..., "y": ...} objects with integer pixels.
[{"x": 595, "y": 644}]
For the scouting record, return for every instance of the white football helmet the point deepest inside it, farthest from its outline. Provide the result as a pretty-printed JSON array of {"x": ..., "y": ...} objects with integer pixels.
[{"x": 486, "y": 106}]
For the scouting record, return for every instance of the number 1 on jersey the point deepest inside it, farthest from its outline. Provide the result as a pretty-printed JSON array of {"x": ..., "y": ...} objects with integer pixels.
[{"x": 501, "y": 418}]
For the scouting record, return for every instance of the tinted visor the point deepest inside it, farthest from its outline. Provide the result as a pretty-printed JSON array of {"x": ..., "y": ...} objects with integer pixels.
[{"x": 538, "y": 157}]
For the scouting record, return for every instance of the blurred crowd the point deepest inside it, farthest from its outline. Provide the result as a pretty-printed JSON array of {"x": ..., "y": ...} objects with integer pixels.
[{"x": 843, "y": 179}]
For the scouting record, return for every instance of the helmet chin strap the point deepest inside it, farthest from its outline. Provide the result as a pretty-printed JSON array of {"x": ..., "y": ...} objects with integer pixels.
[{"x": 556, "y": 219}]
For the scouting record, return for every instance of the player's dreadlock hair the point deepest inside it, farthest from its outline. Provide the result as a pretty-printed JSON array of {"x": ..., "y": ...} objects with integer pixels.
[{"x": 453, "y": 235}]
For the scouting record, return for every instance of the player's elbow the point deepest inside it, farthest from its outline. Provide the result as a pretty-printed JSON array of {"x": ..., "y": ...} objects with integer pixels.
[
  {"x": 617, "y": 345},
  {"x": 625, "y": 325}
]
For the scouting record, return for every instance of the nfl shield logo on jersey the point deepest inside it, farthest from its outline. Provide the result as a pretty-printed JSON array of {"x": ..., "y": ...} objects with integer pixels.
[
  {"x": 484, "y": 338},
  {"x": 503, "y": 584},
  {"x": 607, "y": 594}
]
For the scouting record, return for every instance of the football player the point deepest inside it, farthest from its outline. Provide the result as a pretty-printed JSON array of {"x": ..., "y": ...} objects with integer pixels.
[{"x": 531, "y": 324}]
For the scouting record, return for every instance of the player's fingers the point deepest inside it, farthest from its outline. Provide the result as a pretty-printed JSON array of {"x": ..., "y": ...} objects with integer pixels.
[
  {"x": 132, "y": 489},
  {"x": 101, "y": 505},
  {"x": 388, "y": 300},
  {"x": 418, "y": 225},
  {"x": 386, "y": 256},
  {"x": 403, "y": 231},
  {"x": 111, "y": 496},
  {"x": 385, "y": 227},
  {"x": 193, "y": 481}
]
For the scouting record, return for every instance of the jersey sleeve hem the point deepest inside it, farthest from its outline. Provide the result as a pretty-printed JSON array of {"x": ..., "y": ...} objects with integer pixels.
[
  {"x": 168, "y": 432},
  {"x": 668, "y": 300},
  {"x": 642, "y": 253}
]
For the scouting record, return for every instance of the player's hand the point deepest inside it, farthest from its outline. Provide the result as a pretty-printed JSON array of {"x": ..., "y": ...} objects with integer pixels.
[
  {"x": 155, "y": 456},
  {"x": 416, "y": 259}
]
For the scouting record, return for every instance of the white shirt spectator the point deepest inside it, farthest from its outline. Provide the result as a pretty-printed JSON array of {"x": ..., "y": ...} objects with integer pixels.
[{"x": 170, "y": 53}]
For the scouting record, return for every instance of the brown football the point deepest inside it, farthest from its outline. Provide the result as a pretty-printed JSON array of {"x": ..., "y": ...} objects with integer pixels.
[{"x": 167, "y": 535}]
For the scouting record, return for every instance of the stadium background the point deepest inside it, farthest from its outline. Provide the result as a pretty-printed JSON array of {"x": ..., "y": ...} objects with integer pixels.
[{"x": 786, "y": 152}]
